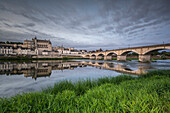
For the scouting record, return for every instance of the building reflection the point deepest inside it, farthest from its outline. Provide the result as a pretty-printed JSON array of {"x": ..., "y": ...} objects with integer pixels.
[{"x": 37, "y": 69}]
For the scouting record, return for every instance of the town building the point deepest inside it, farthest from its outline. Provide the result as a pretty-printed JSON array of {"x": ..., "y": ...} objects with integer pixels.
[
  {"x": 10, "y": 50},
  {"x": 29, "y": 47},
  {"x": 24, "y": 51},
  {"x": 4, "y": 50},
  {"x": 38, "y": 49},
  {"x": 63, "y": 51}
]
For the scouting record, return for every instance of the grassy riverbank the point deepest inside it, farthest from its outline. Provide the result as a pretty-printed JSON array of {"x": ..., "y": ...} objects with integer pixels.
[
  {"x": 29, "y": 58},
  {"x": 147, "y": 93},
  {"x": 20, "y": 58}
]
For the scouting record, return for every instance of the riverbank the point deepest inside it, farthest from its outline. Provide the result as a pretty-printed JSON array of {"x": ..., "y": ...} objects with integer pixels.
[
  {"x": 151, "y": 59},
  {"x": 19, "y": 58},
  {"x": 146, "y": 93},
  {"x": 29, "y": 58}
]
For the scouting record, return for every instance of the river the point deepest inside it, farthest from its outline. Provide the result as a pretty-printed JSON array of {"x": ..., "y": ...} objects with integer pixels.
[{"x": 18, "y": 77}]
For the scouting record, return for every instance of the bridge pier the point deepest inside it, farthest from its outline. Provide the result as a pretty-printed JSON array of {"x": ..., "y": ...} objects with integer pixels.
[
  {"x": 99, "y": 57},
  {"x": 92, "y": 57},
  {"x": 107, "y": 57},
  {"x": 144, "y": 58},
  {"x": 121, "y": 57}
]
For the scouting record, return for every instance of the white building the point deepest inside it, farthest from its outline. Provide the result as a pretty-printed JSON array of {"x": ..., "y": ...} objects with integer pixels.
[
  {"x": 69, "y": 51},
  {"x": 24, "y": 51},
  {"x": 9, "y": 50},
  {"x": 6, "y": 50}
]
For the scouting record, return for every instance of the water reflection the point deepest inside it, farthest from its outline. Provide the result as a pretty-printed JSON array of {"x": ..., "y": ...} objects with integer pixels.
[
  {"x": 118, "y": 67},
  {"x": 47, "y": 73},
  {"x": 37, "y": 69}
]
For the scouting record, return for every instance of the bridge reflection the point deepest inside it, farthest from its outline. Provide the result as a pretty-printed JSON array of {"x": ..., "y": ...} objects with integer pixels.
[
  {"x": 118, "y": 67},
  {"x": 37, "y": 69}
]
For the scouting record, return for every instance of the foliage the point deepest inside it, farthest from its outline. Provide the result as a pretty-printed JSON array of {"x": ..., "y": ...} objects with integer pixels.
[
  {"x": 164, "y": 53},
  {"x": 7, "y": 42}
]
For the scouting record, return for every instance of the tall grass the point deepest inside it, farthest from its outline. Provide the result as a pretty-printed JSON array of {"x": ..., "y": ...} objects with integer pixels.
[
  {"x": 147, "y": 93},
  {"x": 81, "y": 86},
  {"x": 156, "y": 73}
]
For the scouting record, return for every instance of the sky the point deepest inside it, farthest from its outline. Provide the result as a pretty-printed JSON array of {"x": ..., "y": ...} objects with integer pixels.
[{"x": 87, "y": 24}]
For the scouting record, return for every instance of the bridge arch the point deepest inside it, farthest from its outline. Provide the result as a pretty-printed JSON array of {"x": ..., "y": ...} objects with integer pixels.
[
  {"x": 123, "y": 56},
  {"x": 149, "y": 52},
  {"x": 111, "y": 53},
  {"x": 100, "y": 63},
  {"x": 110, "y": 65},
  {"x": 87, "y": 56},
  {"x": 93, "y": 56},
  {"x": 126, "y": 52},
  {"x": 100, "y": 56},
  {"x": 110, "y": 56}
]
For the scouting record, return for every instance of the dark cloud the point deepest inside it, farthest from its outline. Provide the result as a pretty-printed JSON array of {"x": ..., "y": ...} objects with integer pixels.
[
  {"x": 135, "y": 13},
  {"x": 13, "y": 36},
  {"x": 29, "y": 24},
  {"x": 7, "y": 24},
  {"x": 90, "y": 23}
]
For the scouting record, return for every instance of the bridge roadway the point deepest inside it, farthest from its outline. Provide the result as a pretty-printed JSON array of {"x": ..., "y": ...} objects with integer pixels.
[{"x": 144, "y": 52}]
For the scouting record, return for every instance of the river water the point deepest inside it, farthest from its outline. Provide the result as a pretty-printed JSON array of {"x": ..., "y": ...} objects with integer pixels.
[{"x": 18, "y": 77}]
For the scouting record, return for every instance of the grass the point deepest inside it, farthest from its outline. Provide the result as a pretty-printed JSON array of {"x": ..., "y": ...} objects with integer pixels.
[
  {"x": 132, "y": 58},
  {"x": 15, "y": 58},
  {"x": 147, "y": 93}
]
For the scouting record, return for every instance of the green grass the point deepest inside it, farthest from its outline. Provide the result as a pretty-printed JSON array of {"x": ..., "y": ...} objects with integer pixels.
[
  {"x": 132, "y": 58},
  {"x": 147, "y": 93},
  {"x": 114, "y": 58},
  {"x": 15, "y": 58}
]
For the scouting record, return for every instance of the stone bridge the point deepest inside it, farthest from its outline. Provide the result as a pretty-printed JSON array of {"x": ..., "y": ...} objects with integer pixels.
[{"x": 144, "y": 52}]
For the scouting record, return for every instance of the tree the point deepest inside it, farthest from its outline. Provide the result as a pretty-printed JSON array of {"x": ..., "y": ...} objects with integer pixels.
[{"x": 100, "y": 49}]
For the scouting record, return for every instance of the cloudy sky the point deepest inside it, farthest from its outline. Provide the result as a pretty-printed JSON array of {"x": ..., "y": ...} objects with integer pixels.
[{"x": 87, "y": 24}]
